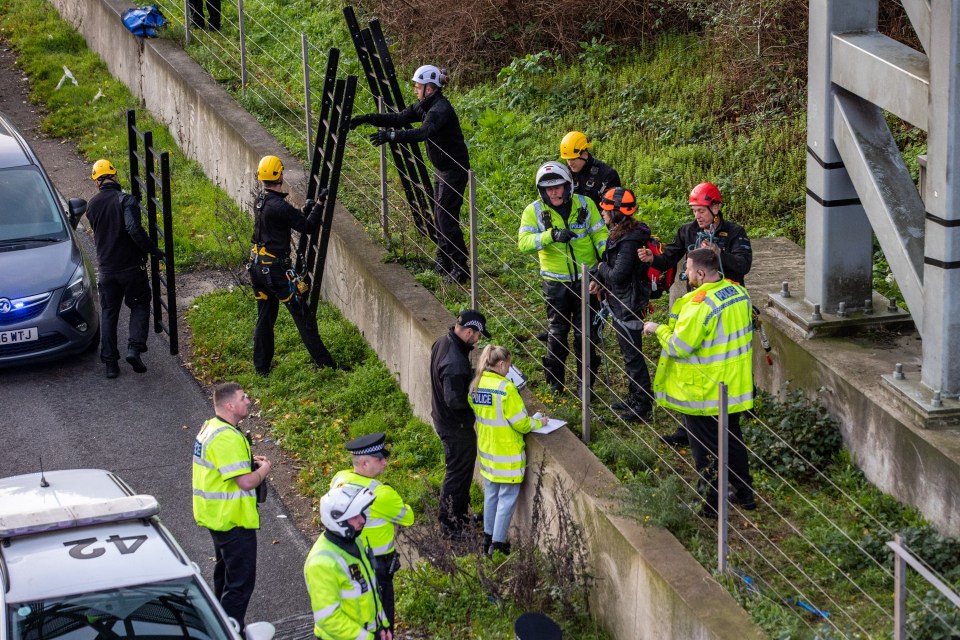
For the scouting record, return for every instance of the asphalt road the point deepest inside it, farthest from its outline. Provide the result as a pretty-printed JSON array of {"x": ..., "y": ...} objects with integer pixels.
[{"x": 142, "y": 426}]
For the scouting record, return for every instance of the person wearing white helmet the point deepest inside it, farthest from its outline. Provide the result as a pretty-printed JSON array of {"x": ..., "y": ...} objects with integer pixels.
[
  {"x": 565, "y": 230},
  {"x": 447, "y": 151},
  {"x": 339, "y": 571}
]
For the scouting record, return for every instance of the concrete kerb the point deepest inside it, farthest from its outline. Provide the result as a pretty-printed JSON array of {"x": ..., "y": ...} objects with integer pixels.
[{"x": 648, "y": 586}]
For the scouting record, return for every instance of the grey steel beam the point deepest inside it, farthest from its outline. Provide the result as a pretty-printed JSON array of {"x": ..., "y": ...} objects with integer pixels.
[
  {"x": 891, "y": 75},
  {"x": 839, "y": 244},
  {"x": 919, "y": 13},
  {"x": 886, "y": 189},
  {"x": 941, "y": 275}
]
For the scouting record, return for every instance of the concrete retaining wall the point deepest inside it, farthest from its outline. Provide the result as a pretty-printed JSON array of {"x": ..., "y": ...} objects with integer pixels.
[{"x": 647, "y": 584}]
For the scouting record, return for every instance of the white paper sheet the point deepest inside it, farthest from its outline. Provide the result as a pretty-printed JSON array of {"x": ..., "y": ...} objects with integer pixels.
[{"x": 551, "y": 426}]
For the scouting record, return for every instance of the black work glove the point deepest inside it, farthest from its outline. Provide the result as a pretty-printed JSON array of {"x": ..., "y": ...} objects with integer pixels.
[
  {"x": 308, "y": 206},
  {"x": 562, "y": 235},
  {"x": 322, "y": 196},
  {"x": 382, "y": 136},
  {"x": 157, "y": 253},
  {"x": 356, "y": 121}
]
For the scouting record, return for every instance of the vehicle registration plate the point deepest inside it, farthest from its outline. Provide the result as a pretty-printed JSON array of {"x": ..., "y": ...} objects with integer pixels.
[{"x": 19, "y": 335}]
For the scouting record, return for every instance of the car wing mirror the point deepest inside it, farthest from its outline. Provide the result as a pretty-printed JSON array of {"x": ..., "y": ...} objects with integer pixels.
[
  {"x": 259, "y": 631},
  {"x": 77, "y": 207}
]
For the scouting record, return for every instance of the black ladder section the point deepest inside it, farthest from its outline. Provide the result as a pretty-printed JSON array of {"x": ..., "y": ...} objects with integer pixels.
[
  {"x": 332, "y": 127},
  {"x": 381, "y": 75},
  {"x": 152, "y": 191}
]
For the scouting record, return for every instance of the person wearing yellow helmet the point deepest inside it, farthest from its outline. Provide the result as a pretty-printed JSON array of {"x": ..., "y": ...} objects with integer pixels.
[
  {"x": 591, "y": 177},
  {"x": 447, "y": 151},
  {"x": 122, "y": 248},
  {"x": 274, "y": 219}
]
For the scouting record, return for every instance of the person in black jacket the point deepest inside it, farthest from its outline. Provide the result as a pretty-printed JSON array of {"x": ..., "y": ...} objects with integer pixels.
[
  {"x": 122, "y": 248},
  {"x": 622, "y": 280},
  {"x": 708, "y": 230},
  {"x": 270, "y": 269},
  {"x": 450, "y": 376},
  {"x": 591, "y": 177},
  {"x": 447, "y": 151}
]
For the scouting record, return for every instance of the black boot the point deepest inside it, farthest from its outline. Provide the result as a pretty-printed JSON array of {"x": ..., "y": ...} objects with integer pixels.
[
  {"x": 638, "y": 409},
  {"x": 487, "y": 543},
  {"x": 113, "y": 369},
  {"x": 133, "y": 357},
  {"x": 502, "y": 547},
  {"x": 677, "y": 438}
]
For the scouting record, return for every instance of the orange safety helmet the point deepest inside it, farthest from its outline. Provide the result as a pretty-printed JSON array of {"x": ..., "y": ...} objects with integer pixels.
[
  {"x": 620, "y": 200},
  {"x": 705, "y": 194}
]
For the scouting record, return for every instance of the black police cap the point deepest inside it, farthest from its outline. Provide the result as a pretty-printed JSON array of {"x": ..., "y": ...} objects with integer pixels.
[
  {"x": 536, "y": 626},
  {"x": 371, "y": 444}
]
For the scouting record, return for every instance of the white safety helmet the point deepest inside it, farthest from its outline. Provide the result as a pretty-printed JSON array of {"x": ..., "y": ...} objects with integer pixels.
[
  {"x": 429, "y": 74},
  {"x": 341, "y": 504},
  {"x": 552, "y": 174}
]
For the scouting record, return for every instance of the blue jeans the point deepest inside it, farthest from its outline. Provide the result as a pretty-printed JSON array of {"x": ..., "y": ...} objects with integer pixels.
[{"x": 499, "y": 501}]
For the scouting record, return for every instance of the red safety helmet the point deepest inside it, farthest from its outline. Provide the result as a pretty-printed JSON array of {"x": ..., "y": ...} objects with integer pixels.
[
  {"x": 619, "y": 199},
  {"x": 705, "y": 194}
]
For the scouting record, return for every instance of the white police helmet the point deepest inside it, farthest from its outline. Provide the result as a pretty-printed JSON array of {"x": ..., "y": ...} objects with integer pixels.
[{"x": 341, "y": 504}]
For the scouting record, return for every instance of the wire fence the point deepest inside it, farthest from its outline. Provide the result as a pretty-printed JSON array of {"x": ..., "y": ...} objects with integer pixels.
[{"x": 762, "y": 566}]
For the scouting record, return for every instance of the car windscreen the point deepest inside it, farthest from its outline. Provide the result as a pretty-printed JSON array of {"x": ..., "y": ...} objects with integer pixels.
[
  {"x": 28, "y": 209},
  {"x": 172, "y": 609}
]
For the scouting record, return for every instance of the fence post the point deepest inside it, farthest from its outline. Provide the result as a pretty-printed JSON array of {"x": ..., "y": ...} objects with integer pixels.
[
  {"x": 187, "y": 19},
  {"x": 899, "y": 591},
  {"x": 384, "y": 201},
  {"x": 304, "y": 51},
  {"x": 474, "y": 268},
  {"x": 723, "y": 449},
  {"x": 585, "y": 352},
  {"x": 243, "y": 49}
]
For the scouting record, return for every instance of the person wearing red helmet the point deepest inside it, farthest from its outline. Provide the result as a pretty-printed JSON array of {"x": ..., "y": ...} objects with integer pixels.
[
  {"x": 623, "y": 282},
  {"x": 708, "y": 230}
]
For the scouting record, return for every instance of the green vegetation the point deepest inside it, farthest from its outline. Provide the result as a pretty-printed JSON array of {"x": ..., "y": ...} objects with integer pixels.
[{"x": 93, "y": 114}]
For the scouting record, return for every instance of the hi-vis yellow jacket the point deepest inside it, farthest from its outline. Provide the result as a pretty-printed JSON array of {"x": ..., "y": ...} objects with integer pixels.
[
  {"x": 386, "y": 511},
  {"x": 561, "y": 260},
  {"x": 501, "y": 422},
  {"x": 220, "y": 454},
  {"x": 708, "y": 340}
]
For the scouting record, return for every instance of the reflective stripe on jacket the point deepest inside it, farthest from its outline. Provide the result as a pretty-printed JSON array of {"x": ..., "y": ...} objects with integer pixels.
[
  {"x": 343, "y": 592},
  {"x": 501, "y": 422},
  {"x": 556, "y": 263},
  {"x": 707, "y": 340},
  {"x": 220, "y": 454},
  {"x": 387, "y": 511}
]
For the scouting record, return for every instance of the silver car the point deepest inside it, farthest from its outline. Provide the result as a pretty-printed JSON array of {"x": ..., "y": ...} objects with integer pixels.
[{"x": 48, "y": 295}]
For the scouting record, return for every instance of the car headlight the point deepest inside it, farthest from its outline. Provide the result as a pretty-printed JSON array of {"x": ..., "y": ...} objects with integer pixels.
[{"x": 79, "y": 283}]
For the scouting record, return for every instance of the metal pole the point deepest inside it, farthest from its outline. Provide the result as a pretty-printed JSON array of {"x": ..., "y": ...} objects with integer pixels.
[
  {"x": 384, "y": 202},
  {"x": 474, "y": 270},
  {"x": 304, "y": 51},
  {"x": 243, "y": 49},
  {"x": 187, "y": 19},
  {"x": 723, "y": 448},
  {"x": 899, "y": 592},
  {"x": 585, "y": 352}
]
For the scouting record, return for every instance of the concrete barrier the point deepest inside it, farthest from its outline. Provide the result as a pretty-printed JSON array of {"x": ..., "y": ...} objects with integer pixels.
[{"x": 647, "y": 586}]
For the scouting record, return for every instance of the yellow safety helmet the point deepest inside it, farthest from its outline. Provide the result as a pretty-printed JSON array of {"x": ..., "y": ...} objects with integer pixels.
[
  {"x": 269, "y": 169},
  {"x": 102, "y": 168},
  {"x": 573, "y": 144}
]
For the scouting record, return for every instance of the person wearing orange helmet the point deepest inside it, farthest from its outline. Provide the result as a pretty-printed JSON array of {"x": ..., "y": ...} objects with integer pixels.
[
  {"x": 591, "y": 177},
  {"x": 708, "y": 230},
  {"x": 622, "y": 280}
]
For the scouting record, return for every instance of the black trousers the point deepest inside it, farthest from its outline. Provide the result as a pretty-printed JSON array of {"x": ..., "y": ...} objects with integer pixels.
[
  {"x": 130, "y": 287},
  {"x": 638, "y": 376},
  {"x": 235, "y": 571},
  {"x": 448, "y": 188},
  {"x": 460, "y": 457},
  {"x": 385, "y": 582},
  {"x": 213, "y": 13},
  {"x": 272, "y": 288},
  {"x": 563, "y": 312},
  {"x": 704, "y": 446}
]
